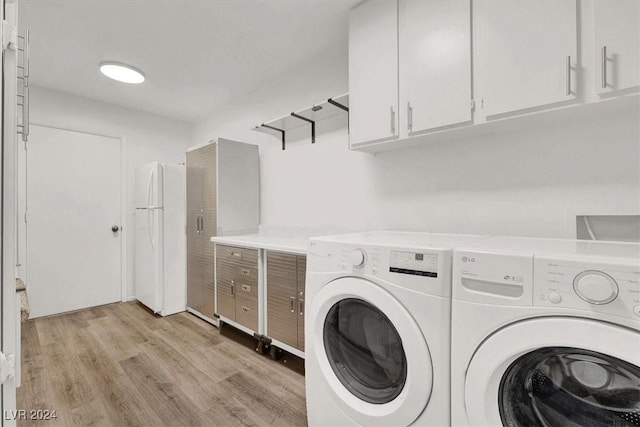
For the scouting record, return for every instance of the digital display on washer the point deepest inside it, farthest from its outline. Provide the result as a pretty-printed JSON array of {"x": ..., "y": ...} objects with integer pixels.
[{"x": 414, "y": 263}]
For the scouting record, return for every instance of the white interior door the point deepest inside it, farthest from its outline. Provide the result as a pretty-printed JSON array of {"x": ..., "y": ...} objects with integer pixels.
[
  {"x": 73, "y": 200},
  {"x": 9, "y": 330}
]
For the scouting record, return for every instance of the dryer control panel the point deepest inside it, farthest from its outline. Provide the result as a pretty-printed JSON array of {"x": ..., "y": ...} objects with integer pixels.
[{"x": 598, "y": 287}]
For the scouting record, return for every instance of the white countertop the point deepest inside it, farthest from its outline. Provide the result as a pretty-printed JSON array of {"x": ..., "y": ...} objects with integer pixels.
[{"x": 274, "y": 242}]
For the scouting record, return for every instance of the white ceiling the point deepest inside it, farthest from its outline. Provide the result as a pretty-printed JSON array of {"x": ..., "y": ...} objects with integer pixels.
[{"x": 197, "y": 55}]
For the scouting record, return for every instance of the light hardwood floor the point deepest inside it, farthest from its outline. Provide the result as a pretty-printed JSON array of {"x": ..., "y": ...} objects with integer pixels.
[{"x": 119, "y": 365}]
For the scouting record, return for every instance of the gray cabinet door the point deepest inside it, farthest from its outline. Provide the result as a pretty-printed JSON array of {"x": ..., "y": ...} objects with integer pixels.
[
  {"x": 282, "y": 301},
  {"x": 226, "y": 280},
  {"x": 208, "y": 224},
  {"x": 201, "y": 225},
  {"x": 302, "y": 271},
  {"x": 194, "y": 242}
]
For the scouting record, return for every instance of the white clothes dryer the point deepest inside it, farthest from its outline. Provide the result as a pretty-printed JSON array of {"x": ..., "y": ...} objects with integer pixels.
[
  {"x": 546, "y": 332},
  {"x": 377, "y": 328}
]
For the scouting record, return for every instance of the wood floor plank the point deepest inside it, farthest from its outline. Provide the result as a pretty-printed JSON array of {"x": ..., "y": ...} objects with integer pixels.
[
  {"x": 30, "y": 340},
  {"x": 124, "y": 406},
  {"x": 69, "y": 384},
  {"x": 93, "y": 414},
  {"x": 195, "y": 383},
  {"x": 120, "y": 365},
  {"x": 171, "y": 404},
  {"x": 271, "y": 409},
  {"x": 228, "y": 411}
]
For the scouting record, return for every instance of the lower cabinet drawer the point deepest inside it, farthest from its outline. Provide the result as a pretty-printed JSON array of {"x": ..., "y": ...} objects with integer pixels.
[
  {"x": 237, "y": 255},
  {"x": 247, "y": 311}
]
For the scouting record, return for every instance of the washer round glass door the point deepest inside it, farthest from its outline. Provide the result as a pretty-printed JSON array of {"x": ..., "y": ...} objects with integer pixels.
[
  {"x": 568, "y": 386},
  {"x": 551, "y": 371},
  {"x": 371, "y": 352}
]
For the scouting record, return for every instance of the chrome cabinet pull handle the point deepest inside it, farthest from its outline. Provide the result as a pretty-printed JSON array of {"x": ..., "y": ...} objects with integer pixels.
[
  {"x": 301, "y": 307},
  {"x": 393, "y": 121},
  {"x": 245, "y": 288},
  {"x": 291, "y": 303},
  {"x": 604, "y": 67},
  {"x": 568, "y": 75},
  {"x": 246, "y": 309},
  {"x": 233, "y": 289}
]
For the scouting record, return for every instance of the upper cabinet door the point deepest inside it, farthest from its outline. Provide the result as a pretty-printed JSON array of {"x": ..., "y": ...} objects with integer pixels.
[
  {"x": 434, "y": 64},
  {"x": 526, "y": 53},
  {"x": 617, "y": 44},
  {"x": 373, "y": 72}
]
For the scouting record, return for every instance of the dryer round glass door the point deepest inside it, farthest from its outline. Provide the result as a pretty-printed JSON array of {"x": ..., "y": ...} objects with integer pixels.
[
  {"x": 370, "y": 351},
  {"x": 365, "y": 351},
  {"x": 568, "y": 386},
  {"x": 521, "y": 376}
]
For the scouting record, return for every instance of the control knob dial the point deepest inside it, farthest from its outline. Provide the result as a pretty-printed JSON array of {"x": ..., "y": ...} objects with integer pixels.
[
  {"x": 357, "y": 257},
  {"x": 595, "y": 287}
]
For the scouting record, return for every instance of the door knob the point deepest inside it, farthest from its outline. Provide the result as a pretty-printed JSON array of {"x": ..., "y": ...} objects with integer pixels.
[{"x": 115, "y": 228}]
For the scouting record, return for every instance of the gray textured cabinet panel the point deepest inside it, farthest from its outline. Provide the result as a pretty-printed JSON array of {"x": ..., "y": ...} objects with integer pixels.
[
  {"x": 302, "y": 272},
  {"x": 285, "y": 298},
  {"x": 237, "y": 285},
  {"x": 225, "y": 280},
  {"x": 222, "y": 198},
  {"x": 201, "y": 209},
  {"x": 247, "y": 311},
  {"x": 282, "y": 287}
]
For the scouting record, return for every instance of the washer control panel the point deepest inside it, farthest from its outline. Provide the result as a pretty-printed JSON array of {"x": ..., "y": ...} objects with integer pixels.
[
  {"x": 423, "y": 270},
  {"x": 357, "y": 258},
  {"x": 414, "y": 263},
  {"x": 597, "y": 287}
]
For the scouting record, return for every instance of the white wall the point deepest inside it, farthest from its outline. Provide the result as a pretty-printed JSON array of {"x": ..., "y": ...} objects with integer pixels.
[
  {"x": 526, "y": 180},
  {"x": 146, "y": 137}
]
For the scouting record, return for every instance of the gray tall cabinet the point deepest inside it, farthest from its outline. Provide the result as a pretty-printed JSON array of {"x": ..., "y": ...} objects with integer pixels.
[{"x": 223, "y": 198}]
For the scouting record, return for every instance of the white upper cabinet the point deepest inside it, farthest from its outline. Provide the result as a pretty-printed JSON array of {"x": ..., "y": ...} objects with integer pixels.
[
  {"x": 434, "y": 64},
  {"x": 526, "y": 53},
  {"x": 617, "y": 45},
  {"x": 373, "y": 72}
]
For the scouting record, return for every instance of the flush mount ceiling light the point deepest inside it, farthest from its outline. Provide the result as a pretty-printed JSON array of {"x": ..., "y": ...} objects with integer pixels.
[{"x": 122, "y": 72}]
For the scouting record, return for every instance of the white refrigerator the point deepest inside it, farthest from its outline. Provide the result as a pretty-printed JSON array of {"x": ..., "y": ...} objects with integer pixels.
[{"x": 160, "y": 246}]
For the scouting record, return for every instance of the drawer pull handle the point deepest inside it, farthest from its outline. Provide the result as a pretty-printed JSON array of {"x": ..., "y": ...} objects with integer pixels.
[
  {"x": 238, "y": 254},
  {"x": 244, "y": 271},
  {"x": 291, "y": 304},
  {"x": 301, "y": 307},
  {"x": 246, "y": 288},
  {"x": 233, "y": 289},
  {"x": 246, "y": 309}
]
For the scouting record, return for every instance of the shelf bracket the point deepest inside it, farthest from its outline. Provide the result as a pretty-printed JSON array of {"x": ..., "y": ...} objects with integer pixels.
[
  {"x": 313, "y": 125},
  {"x": 340, "y": 106},
  {"x": 277, "y": 130},
  {"x": 337, "y": 104}
]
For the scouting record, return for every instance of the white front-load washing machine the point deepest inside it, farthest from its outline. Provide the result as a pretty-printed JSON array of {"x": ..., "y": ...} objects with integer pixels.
[
  {"x": 546, "y": 332},
  {"x": 377, "y": 327}
]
